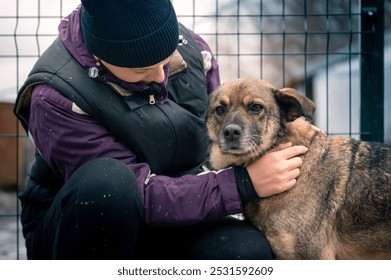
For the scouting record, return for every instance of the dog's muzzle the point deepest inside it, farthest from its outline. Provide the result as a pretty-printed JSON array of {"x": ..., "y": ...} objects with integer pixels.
[{"x": 232, "y": 140}]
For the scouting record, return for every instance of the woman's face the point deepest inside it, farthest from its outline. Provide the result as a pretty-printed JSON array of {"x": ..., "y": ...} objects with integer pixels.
[{"x": 154, "y": 73}]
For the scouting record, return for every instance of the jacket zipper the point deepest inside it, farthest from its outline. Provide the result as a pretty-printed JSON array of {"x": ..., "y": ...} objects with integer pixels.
[{"x": 152, "y": 99}]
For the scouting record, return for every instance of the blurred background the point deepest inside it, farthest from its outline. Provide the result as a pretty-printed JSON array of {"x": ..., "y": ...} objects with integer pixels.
[{"x": 337, "y": 52}]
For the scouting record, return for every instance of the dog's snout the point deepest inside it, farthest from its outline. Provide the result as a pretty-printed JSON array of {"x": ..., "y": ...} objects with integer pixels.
[{"x": 232, "y": 132}]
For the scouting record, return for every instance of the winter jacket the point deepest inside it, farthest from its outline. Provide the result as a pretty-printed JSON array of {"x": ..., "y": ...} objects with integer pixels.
[{"x": 66, "y": 137}]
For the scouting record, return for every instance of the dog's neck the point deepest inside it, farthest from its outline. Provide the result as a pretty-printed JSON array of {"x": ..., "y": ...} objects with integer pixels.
[{"x": 299, "y": 132}]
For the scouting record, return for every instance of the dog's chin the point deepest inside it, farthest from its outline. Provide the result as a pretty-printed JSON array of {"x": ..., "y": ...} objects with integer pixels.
[
  {"x": 234, "y": 151},
  {"x": 237, "y": 148},
  {"x": 220, "y": 158}
]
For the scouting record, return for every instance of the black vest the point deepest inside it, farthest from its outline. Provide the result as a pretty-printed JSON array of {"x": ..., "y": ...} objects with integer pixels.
[{"x": 170, "y": 137}]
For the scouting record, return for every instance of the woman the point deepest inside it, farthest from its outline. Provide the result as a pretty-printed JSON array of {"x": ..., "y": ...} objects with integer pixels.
[{"x": 115, "y": 108}]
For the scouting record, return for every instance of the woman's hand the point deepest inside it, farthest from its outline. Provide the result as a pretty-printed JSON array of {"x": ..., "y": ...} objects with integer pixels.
[{"x": 277, "y": 170}]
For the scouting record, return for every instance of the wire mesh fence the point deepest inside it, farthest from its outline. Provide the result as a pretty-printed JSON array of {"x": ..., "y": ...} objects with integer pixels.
[{"x": 315, "y": 46}]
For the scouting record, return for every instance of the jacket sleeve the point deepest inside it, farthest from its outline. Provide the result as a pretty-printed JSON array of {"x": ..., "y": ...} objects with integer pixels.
[
  {"x": 70, "y": 138},
  {"x": 211, "y": 66},
  {"x": 191, "y": 198}
]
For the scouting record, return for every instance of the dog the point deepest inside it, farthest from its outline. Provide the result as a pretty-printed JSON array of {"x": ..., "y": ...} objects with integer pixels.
[{"x": 340, "y": 206}]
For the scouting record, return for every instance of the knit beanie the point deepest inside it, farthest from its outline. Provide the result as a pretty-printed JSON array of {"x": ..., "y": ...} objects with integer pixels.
[{"x": 130, "y": 33}]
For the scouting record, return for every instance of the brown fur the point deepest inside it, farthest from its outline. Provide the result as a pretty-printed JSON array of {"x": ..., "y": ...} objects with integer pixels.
[{"x": 340, "y": 207}]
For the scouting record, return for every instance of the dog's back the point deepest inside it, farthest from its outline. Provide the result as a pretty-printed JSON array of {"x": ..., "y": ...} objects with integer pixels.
[{"x": 340, "y": 207}]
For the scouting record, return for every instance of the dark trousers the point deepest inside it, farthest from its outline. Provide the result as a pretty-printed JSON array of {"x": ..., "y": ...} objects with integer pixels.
[{"x": 98, "y": 214}]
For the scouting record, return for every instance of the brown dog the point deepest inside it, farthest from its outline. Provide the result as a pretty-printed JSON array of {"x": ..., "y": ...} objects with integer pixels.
[{"x": 340, "y": 207}]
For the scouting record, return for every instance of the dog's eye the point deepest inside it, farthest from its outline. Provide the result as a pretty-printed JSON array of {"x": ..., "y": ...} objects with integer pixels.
[
  {"x": 256, "y": 108},
  {"x": 220, "y": 110}
]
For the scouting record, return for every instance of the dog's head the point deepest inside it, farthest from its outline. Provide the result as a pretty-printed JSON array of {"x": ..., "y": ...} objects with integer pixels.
[{"x": 246, "y": 117}]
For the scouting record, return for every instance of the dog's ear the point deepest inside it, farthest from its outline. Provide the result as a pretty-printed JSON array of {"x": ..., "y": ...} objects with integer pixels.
[{"x": 294, "y": 104}]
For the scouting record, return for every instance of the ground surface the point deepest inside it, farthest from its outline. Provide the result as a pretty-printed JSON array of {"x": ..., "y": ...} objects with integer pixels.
[{"x": 11, "y": 239}]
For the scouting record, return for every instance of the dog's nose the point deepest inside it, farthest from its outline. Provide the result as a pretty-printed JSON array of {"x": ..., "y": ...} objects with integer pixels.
[{"x": 232, "y": 132}]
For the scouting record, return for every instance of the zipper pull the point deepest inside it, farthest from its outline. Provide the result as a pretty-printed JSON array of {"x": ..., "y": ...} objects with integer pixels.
[{"x": 152, "y": 99}]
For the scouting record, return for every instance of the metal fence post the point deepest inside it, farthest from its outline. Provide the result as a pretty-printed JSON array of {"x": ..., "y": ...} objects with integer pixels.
[{"x": 372, "y": 70}]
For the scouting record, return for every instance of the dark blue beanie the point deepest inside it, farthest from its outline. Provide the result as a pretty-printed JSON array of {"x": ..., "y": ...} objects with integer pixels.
[{"x": 130, "y": 33}]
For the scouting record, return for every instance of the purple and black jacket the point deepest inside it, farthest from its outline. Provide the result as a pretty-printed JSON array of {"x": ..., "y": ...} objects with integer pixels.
[{"x": 66, "y": 138}]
